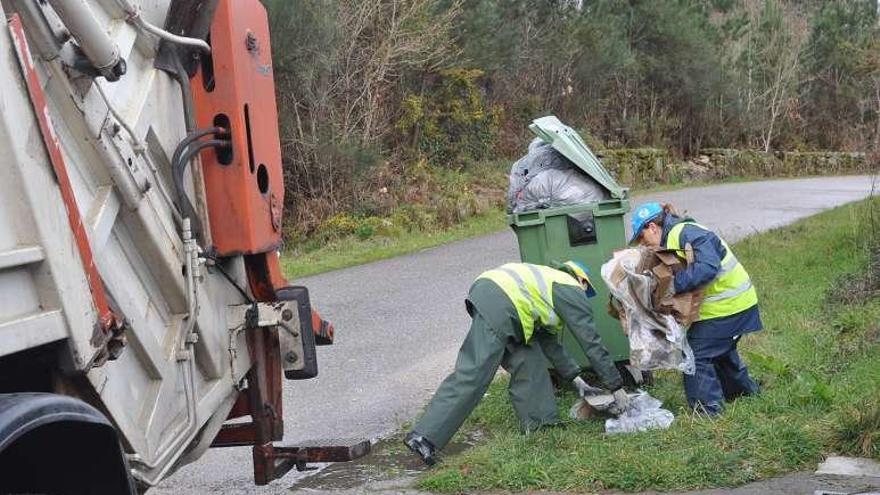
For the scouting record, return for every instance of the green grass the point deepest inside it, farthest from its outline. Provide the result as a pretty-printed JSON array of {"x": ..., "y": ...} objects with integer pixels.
[
  {"x": 351, "y": 251},
  {"x": 816, "y": 360}
]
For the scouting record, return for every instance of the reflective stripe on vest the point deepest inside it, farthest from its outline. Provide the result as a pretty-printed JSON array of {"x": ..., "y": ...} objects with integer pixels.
[
  {"x": 731, "y": 290},
  {"x": 530, "y": 289}
]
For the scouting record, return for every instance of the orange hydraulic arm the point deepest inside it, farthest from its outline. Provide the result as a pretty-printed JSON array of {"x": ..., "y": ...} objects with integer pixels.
[{"x": 233, "y": 89}]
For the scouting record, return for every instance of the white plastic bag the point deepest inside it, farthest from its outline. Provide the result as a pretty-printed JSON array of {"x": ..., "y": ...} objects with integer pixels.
[
  {"x": 644, "y": 414},
  {"x": 656, "y": 341}
]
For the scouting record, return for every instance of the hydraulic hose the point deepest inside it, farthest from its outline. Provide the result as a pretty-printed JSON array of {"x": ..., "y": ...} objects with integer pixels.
[
  {"x": 194, "y": 136},
  {"x": 134, "y": 17},
  {"x": 184, "y": 154},
  {"x": 182, "y": 79}
]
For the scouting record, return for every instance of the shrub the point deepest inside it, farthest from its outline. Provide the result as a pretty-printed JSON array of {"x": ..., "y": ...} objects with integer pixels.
[{"x": 449, "y": 122}]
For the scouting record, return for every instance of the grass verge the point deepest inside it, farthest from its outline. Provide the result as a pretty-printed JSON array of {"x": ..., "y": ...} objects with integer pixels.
[
  {"x": 351, "y": 251},
  {"x": 816, "y": 360}
]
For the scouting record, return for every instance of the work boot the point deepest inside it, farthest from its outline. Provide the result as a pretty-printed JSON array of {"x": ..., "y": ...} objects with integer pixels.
[{"x": 421, "y": 446}]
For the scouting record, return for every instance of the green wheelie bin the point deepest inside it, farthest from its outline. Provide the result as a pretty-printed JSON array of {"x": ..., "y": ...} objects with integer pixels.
[{"x": 588, "y": 232}]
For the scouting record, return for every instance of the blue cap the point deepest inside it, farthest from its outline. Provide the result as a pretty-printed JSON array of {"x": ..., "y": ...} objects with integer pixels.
[{"x": 644, "y": 214}]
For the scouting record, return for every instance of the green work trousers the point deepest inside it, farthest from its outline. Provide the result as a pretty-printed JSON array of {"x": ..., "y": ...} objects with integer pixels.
[{"x": 483, "y": 350}]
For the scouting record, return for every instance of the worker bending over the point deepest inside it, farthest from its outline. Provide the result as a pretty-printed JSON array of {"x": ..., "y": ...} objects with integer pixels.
[
  {"x": 729, "y": 308},
  {"x": 518, "y": 311}
]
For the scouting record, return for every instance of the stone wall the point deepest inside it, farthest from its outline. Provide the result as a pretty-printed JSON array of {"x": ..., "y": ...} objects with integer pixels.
[{"x": 647, "y": 167}]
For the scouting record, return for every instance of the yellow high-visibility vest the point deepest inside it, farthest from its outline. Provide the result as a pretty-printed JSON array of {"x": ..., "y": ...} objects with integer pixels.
[
  {"x": 530, "y": 289},
  {"x": 731, "y": 291}
]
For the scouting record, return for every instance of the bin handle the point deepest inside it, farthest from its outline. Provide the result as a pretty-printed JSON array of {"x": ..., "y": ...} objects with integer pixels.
[
  {"x": 613, "y": 207},
  {"x": 610, "y": 205},
  {"x": 528, "y": 219}
]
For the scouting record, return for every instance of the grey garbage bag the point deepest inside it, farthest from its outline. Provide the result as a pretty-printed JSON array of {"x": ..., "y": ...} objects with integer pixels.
[
  {"x": 644, "y": 414},
  {"x": 544, "y": 178}
]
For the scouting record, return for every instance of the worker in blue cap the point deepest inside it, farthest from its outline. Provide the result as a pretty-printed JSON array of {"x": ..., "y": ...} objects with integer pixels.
[
  {"x": 729, "y": 309},
  {"x": 518, "y": 311}
]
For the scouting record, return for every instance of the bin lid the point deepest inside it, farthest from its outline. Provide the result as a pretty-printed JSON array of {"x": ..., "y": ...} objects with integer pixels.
[{"x": 565, "y": 140}]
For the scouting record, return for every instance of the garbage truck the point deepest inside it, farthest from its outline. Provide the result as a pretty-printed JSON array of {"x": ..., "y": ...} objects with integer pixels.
[{"x": 144, "y": 315}]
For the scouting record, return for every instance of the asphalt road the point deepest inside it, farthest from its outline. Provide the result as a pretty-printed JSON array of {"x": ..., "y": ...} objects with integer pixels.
[{"x": 400, "y": 322}]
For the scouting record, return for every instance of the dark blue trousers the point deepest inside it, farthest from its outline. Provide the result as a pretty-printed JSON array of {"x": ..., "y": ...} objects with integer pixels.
[{"x": 720, "y": 375}]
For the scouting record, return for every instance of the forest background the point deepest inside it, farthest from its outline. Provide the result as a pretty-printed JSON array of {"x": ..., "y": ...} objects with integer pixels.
[{"x": 403, "y": 116}]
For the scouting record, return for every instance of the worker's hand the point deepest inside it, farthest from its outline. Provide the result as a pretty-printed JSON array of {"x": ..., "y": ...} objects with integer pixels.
[
  {"x": 584, "y": 389},
  {"x": 621, "y": 402}
]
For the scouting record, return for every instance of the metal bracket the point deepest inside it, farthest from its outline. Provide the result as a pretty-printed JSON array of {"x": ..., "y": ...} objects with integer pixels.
[
  {"x": 274, "y": 461},
  {"x": 281, "y": 314}
]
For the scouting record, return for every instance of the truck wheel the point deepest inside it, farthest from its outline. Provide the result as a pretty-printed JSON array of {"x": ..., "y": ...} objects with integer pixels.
[{"x": 56, "y": 444}]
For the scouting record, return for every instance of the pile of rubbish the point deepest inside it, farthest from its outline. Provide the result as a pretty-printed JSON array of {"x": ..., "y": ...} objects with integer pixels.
[
  {"x": 655, "y": 322},
  {"x": 545, "y": 178},
  {"x": 645, "y": 413}
]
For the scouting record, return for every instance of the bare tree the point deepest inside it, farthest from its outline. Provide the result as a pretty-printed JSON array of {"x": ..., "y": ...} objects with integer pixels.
[
  {"x": 337, "y": 66},
  {"x": 781, "y": 86},
  {"x": 770, "y": 54}
]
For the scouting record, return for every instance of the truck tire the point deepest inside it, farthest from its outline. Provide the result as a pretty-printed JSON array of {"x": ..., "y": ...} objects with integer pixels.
[{"x": 55, "y": 444}]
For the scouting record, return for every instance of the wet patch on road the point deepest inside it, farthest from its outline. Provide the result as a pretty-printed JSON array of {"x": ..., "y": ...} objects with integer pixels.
[{"x": 389, "y": 460}]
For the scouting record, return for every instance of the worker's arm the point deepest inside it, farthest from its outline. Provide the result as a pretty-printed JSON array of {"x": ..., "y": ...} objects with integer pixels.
[
  {"x": 573, "y": 307},
  {"x": 561, "y": 360},
  {"x": 708, "y": 252}
]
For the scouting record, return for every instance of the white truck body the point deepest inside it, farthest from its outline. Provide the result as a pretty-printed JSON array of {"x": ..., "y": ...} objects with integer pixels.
[{"x": 165, "y": 394}]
